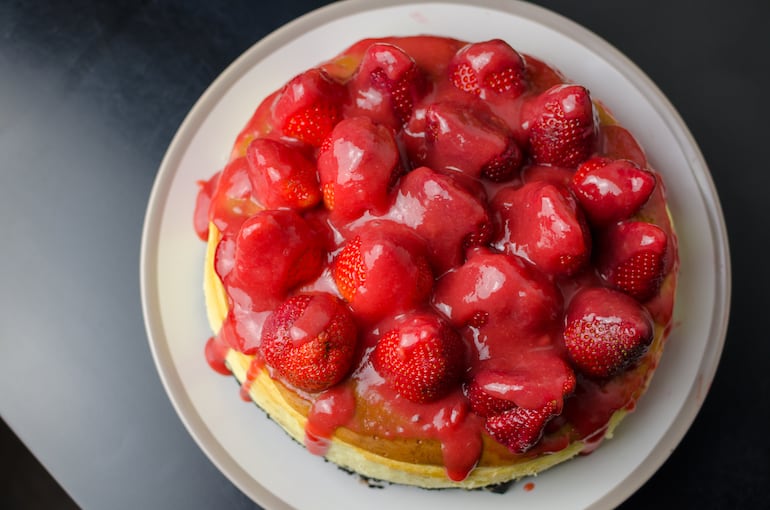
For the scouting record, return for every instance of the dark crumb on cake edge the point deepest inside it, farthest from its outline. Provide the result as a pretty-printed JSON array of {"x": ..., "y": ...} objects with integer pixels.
[
  {"x": 373, "y": 483},
  {"x": 500, "y": 488}
]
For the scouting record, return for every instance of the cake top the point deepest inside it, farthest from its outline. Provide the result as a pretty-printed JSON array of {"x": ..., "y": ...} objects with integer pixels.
[{"x": 425, "y": 239}]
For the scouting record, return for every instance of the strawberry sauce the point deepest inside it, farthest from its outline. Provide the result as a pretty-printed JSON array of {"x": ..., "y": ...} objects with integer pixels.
[
  {"x": 412, "y": 177},
  {"x": 215, "y": 352},
  {"x": 333, "y": 408},
  {"x": 255, "y": 367}
]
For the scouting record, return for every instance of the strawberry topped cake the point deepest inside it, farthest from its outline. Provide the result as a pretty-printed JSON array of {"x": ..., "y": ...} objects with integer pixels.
[{"x": 438, "y": 263}]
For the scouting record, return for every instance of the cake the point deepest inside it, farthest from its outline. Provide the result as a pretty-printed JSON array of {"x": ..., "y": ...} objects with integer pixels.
[{"x": 438, "y": 263}]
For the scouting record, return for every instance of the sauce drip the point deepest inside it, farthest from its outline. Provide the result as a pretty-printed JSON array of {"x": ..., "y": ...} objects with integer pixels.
[
  {"x": 251, "y": 375},
  {"x": 215, "y": 352},
  {"x": 331, "y": 409}
]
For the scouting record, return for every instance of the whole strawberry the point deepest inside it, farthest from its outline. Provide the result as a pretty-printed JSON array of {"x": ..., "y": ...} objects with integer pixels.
[
  {"x": 633, "y": 258},
  {"x": 425, "y": 200},
  {"x": 469, "y": 138},
  {"x": 422, "y": 358},
  {"x": 606, "y": 331},
  {"x": 488, "y": 68},
  {"x": 281, "y": 175},
  {"x": 542, "y": 223},
  {"x": 386, "y": 85},
  {"x": 560, "y": 124},
  {"x": 308, "y": 107},
  {"x": 611, "y": 190},
  {"x": 383, "y": 270},
  {"x": 310, "y": 341},
  {"x": 503, "y": 296},
  {"x": 357, "y": 165},
  {"x": 275, "y": 250}
]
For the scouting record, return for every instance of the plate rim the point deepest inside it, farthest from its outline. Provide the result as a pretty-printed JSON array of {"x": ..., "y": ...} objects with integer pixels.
[{"x": 182, "y": 139}]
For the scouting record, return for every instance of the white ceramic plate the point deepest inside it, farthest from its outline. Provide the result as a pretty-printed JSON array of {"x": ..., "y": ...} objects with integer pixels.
[{"x": 252, "y": 451}]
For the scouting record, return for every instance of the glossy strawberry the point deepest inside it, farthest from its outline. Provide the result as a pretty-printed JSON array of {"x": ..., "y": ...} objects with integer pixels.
[
  {"x": 520, "y": 428},
  {"x": 561, "y": 127},
  {"x": 310, "y": 341},
  {"x": 358, "y": 165},
  {"x": 422, "y": 358},
  {"x": 606, "y": 331},
  {"x": 611, "y": 190},
  {"x": 386, "y": 85},
  {"x": 425, "y": 200},
  {"x": 503, "y": 297},
  {"x": 383, "y": 270},
  {"x": 542, "y": 223},
  {"x": 488, "y": 68},
  {"x": 531, "y": 380},
  {"x": 308, "y": 107},
  {"x": 276, "y": 250},
  {"x": 232, "y": 200},
  {"x": 469, "y": 138},
  {"x": 633, "y": 258},
  {"x": 281, "y": 175}
]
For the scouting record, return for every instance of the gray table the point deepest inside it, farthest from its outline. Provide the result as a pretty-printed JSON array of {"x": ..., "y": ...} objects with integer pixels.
[{"x": 91, "y": 94}]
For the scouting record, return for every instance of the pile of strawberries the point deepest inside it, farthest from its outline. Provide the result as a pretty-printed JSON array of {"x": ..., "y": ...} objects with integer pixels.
[{"x": 466, "y": 212}]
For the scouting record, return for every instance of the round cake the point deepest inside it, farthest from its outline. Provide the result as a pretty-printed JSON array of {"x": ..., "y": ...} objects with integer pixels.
[{"x": 438, "y": 263}]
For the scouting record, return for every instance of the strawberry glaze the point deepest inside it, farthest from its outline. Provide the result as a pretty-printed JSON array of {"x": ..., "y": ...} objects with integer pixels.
[
  {"x": 333, "y": 408},
  {"x": 215, "y": 352},
  {"x": 255, "y": 367},
  {"x": 520, "y": 334}
]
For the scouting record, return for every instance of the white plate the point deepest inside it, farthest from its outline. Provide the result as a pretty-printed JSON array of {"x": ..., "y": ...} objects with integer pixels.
[{"x": 252, "y": 451}]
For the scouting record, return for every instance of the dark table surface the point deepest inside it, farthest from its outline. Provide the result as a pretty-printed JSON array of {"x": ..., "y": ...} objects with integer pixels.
[{"x": 91, "y": 94}]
